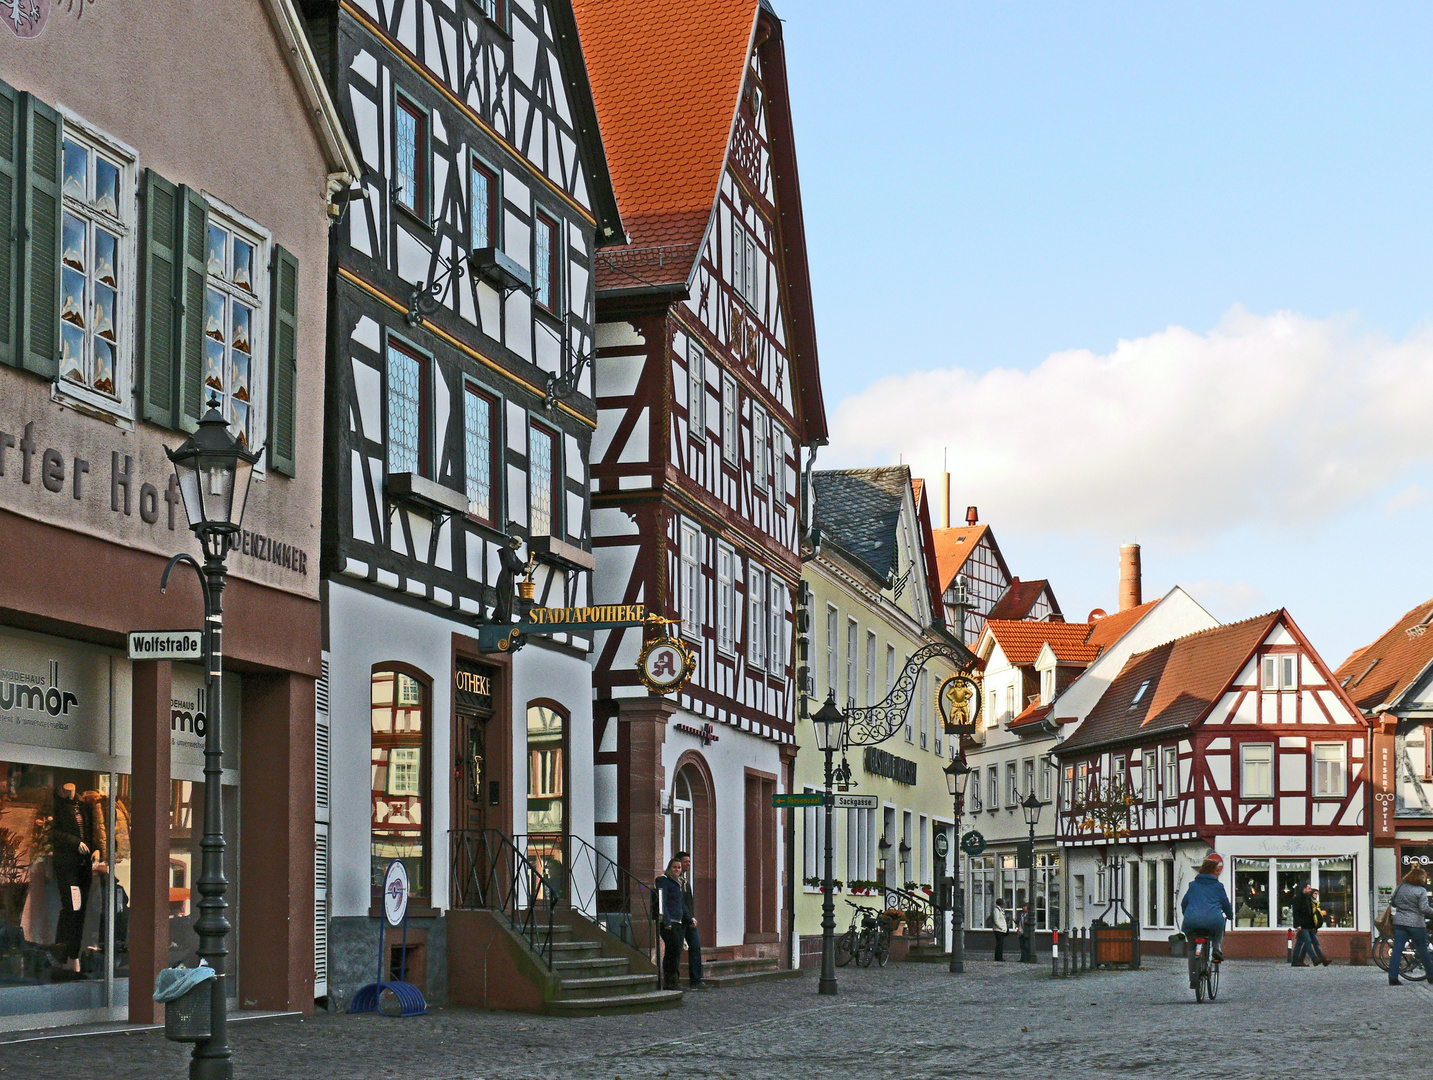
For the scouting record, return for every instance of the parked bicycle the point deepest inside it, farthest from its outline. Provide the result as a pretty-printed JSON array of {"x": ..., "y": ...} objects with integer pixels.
[
  {"x": 868, "y": 938},
  {"x": 1203, "y": 968},
  {"x": 846, "y": 943}
]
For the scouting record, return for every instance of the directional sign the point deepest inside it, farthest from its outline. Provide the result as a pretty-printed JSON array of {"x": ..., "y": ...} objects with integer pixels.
[
  {"x": 166, "y": 645},
  {"x": 804, "y": 798},
  {"x": 855, "y": 802}
]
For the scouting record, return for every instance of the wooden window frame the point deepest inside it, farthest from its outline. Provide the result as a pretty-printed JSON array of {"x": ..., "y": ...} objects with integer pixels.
[
  {"x": 494, "y": 406},
  {"x": 425, "y": 403},
  {"x": 422, "y": 155},
  {"x": 554, "y": 264},
  {"x": 477, "y": 164}
]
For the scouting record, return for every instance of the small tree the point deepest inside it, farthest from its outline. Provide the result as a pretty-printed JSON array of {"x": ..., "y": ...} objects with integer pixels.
[{"x": 1103, "y": 809}]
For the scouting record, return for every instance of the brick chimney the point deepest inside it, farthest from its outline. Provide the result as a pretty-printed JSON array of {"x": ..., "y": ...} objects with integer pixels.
[
  {"x": 972, "y": 515},
  {"x": 1130, "y": 593}
]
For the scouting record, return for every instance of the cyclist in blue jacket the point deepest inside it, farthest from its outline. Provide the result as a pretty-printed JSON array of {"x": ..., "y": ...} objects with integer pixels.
[{"x": 1206, "y": 905}]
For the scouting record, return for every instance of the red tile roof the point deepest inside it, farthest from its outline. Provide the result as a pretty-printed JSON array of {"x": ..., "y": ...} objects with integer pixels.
[
  {"x": 1106, "y": 631},
  {"x": 1184, "y": 678},
  {"x": 667, "y": 80},
  {"x": 953, "y": 547},
  {"x": 1020, "y": 599},
  {"x": 1021, "y": 640},
  {"x": 1031, "y": 717},
  {"x": 1378, "y": 673}
]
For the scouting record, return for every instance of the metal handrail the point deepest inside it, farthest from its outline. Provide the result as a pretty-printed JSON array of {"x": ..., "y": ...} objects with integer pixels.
[
  {"x": 490, "y": 872},
  {"x": 907, "y": 900},
  {"x": 616, "y": 899}
]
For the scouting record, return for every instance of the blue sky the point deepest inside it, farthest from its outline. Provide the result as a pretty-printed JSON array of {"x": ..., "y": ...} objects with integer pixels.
[{"x": 1151, "y": 274}]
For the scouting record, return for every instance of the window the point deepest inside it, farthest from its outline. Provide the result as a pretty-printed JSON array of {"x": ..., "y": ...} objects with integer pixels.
[
  {"x": 832, "y": 646},
  {"x": 860, "y": 846},
  {"x": 232, "y": 323},
  {"x": 1047, "y": 686},
  {"x": 546, "y": 787},
  {"x": 95, "y": 268},
  {"x": 407, "y": 410},
  {"x": 726, "y": 597},
  {"x": 974, "y": 790},
  {"x": 1082, "y": 778},
  {"x": 691, "y": 583},
  {"x": 1012, "y": 784},
  {"x": 1067, "y": 786},
  {"x": 410, "y": 150},
  {"x": 1139, "y": 694},
  {"x": 546, "y": 263},
  {"x": 923, "y": 851},
  {"x": 890, "y": 668},
  {"x": 1027, "y": 776},
  {"x": 696, "y": 392},
  {"x": 910, "y": 716},
  {"x": 870, "y": 667},
  {"x": 1151, "y": 892},
  {"x": 479, "y": 411},
  {"x": 1047, "y": 780},
  {"x": 1149, "y": 777},
  {"x": 1121, "y": 772},
  {"x": 1256, "y": 771},
  {"x": 778, "y": 463},
  {"x": 494, "y": 11},
  {"x": 1009, "y": 703},
  {"x": 1330, "y": 770},
  {"x": 1281, "y": 672},
  {"x": 541, "y": 489},
  {"x": 728, "y": 419},
  {"x": 904, "y": 848},
  {"x": 482, "y": 206},
  {"x": 759, "y": 462},
  {"x": 851, "y": 634},
  {"x": 776, "y": 655},
  {"x": 757, "y": 629},
  {"x": 743, "y": 261},
  {"x": 992, "y": 788},
  {"x": 1171, "y": 773},
  {"x": 1167, "y": 897},
  {"x": 399, "y": 707},
  {"x": 814, "y": 848},
  {"x": 924, "y": 697}
]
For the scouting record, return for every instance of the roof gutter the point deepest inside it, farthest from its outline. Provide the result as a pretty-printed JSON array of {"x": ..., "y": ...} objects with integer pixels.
[{"x": 322, "y": 112}]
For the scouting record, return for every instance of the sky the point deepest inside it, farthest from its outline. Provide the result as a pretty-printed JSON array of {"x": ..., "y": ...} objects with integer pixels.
[{"x": 1141, "y": 273}]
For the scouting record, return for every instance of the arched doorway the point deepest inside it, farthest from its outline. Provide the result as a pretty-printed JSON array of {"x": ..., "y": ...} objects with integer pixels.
[{"x": 693, "y": 828}]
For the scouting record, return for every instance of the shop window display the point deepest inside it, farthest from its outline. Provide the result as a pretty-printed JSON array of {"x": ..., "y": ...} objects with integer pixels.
[
  {"x": 546, "y": 791},
  {"x": 1251, "y": 892}
]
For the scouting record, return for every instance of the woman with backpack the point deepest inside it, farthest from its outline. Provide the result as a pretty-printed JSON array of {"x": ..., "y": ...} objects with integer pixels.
[{"x": 1410, "y": 908}]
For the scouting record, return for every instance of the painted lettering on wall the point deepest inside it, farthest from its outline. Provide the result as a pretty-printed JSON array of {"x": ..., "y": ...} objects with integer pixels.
[{"x": 883, "y": 763}]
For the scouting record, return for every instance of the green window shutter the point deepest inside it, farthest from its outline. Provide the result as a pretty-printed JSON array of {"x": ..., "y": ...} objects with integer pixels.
[
  {"x": 40, "y": 239},
  {"x": 157, "y": 308},
  {"x": 9, "y": 206},
  {"x": 191, "y": 266},
  {"x": 283, "y": 360}
]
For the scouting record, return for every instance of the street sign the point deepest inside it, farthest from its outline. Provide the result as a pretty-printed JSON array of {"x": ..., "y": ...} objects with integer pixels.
[
  {"x": 802, "y": 798},
  {"x": 972, "y": 843},
  {"x": 942, "y": 844},
  {"x": 395, "y": 893},
  {"x": 166, "y": 644},
  {"x": 855, "y": 802}
]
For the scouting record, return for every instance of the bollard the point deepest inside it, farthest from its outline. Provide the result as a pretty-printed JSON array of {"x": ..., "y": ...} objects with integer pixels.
[
  {"x": 1054, "y": 954},
  {"x": 1085, "y": 937},
  {"x": 1289, "y": 948},
  {"x": 1069, "y": 951}
]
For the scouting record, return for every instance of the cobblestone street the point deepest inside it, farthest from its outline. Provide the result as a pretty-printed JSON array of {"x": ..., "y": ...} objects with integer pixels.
[{"x": 909, "y": 1021}]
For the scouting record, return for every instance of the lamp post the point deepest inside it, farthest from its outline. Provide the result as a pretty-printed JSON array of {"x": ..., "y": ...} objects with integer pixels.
[
  {"x": 1031, "y": 808},
  {"x": 830, "y": 727},
  {"x": 957, "y": 775},
  {"x": 213, "y": 469}
]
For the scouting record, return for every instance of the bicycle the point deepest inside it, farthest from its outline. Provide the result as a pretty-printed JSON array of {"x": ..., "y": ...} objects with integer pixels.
[
  {"x": 1409, "y": 968},
  {"x": 847, "y": 944},
  {"x": 875, "y": 940},
  {"x": 1203, "y": 967}
]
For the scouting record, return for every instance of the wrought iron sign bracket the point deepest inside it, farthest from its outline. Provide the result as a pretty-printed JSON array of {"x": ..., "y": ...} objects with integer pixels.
[{"x": 877, "y": 723}]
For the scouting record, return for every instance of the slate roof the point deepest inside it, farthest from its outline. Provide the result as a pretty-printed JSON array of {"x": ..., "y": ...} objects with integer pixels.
[
  {"x": 859, "y": 511},
  {"x": 1380, "y": 672},
  {"x": 1020, "y": 599},
  {"x": 1185, "y": 676},
  {"x": 1022, "y": 640}
]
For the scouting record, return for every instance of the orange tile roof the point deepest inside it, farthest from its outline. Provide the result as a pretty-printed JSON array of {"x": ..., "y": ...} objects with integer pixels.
[
  {"x": 1379, "y": 672},
  {"x": 1021, "y": 598},
  {"x": 1031, "y": 717},
  {"x": 1185, "y": 676},
  {"x": 953, "y": 547},
  {"x": 1106, "y": 631},
  {"x": 917, "y": 486},
  {"x": 1022, "y": 640},
  {"x": 667, "y": 80}
]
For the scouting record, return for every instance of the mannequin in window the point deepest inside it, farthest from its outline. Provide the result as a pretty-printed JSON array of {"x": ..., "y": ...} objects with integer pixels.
[{"x": 72, "y": 839}]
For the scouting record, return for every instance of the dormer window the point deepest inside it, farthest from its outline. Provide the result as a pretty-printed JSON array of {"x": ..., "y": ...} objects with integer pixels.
[
  {"x": 1139, "y": 694},
  {"x": 1047, "y": 686}
]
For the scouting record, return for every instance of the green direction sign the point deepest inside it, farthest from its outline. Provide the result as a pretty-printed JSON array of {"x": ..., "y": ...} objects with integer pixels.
[
  {"x": 802, "y": 798},
  {"x": 972, "y": 843}
]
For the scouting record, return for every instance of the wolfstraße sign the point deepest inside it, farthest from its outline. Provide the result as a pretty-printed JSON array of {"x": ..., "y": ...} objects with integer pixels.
[{"x": 166, "y": 645}]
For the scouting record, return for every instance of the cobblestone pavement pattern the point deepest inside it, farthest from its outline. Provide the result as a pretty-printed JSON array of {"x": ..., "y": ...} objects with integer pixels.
[{"x": 907, "y": 1021}]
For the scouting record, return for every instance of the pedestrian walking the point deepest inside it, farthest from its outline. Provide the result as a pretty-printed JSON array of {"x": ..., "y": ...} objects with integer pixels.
[
  {"x": 999, "y": 927},
  {"x": 1306, "y": 944},
  {"x": 671, "y": 900},
  {"x": 1410, "y": 910},
  {"x": 1025, "y": 931},
  {"x": 690, "y": 935}
]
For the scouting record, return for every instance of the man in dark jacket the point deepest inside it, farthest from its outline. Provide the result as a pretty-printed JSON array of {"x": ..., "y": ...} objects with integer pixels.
[
  {"x": 691, "y": 936},
  {"x": 673, "y": 913},
  {"x": 1206, "y": 905},
  {"x": 1305, "y": 925}
]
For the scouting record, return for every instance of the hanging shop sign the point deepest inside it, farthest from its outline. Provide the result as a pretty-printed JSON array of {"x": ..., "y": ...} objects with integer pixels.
[
  {"x": 883, "y": 763},
  {"x": 941, "y": 844},
  {"x": 472, "y": 686},
  {"x": 665, "y": 664},
  {"x": 395, "y": 893},
  {"x": 166, "y": 645},
  {"x": 1385, "y": 788},
  {"x": 972, "y": 843},
  {"x": 507, "y": 637},
  {"x": 959, "y": 700}
]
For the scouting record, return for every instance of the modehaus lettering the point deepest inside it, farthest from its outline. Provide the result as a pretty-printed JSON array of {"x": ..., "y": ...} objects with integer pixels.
[{"x": 21, "y": 690}]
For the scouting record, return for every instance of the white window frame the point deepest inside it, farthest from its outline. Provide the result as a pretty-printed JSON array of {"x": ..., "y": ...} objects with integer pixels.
[
  {"x": 853, "y": 633},
  {"x": 776, "y": 612},
  {"x": 121, "y": 405},
  {"x": 1171, "y": 775},
  {"x": 814, "y": 846},
  {"x": 1149, "y": 777},
  {"x": 1279, "y": 672},
  {"x": 910, "y": 718},
  {"x": 890, "y": 668},
  {"x": 1255, "y": 792},
  {"x": 778, "y": 465},
  {"x": 254, "y": 233},
  {"x": 992, "y": 779},
  {"x": 921, "y": 688},
  {"x": 1047, "y": 686},
  {"x": 760, "y": 440},
  {"x": 1012, "y": 784},
  {"x": 696, "y": 391},
  {"x": 756, "y": 602},
  {"x": 1323, "y": 789},
  {"x": 726, "y": 597},
  {"x": 1047, "y": 779},
  {"x": 833, "y": 646},
  {"x": 870, "y": 668},
  {"x": 691, "y": 580},
  {"x": 730, "y": 429}
]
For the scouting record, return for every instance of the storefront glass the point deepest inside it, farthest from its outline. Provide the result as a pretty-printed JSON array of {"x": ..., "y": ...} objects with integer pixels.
[
  {"x": 1293, "y": 875},
  {"x": 399, "y": 711},
  {"x": 186, "y": 830},
  {"x": 1335, "y": 886},
  {"x": 1047, "y": 891},
  {"x": 547, "y": 792},
  {"x": 1251, "y": 892}
]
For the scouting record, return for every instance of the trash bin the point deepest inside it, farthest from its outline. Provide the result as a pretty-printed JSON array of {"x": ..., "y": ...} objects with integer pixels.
[
  {"x": 1177, "y": 945},
  {"x": 188, "y": 999}
]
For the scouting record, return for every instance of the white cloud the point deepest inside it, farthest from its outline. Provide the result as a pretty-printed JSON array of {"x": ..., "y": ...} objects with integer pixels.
[
  {"x": 1273, "y": 420},
  {"x": 1410, "y": 498}
]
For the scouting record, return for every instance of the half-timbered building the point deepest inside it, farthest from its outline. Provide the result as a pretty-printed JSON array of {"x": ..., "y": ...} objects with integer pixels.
[
  {"x": 1391, "y": 681},
  {"x": 460, "y": 415},
  {"x": 707, "y": 392},
  {"x": 976, "y": 583},
  {"x": 1237, "y": 739}
]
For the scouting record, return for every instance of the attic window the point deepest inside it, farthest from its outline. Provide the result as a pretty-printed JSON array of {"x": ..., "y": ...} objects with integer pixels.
[{"x": 1139, "y": 694}]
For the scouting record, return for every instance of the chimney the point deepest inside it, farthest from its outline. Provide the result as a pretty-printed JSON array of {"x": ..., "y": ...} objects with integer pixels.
[
  {"x": 972, "y": 515},
  {"x": 1130, "y": 594},
  {"x": 945, "y": 500}
]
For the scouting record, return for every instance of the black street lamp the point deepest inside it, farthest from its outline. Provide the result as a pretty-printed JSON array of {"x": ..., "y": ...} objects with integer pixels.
[
  {"x": 957, "y": 775},
  {"x": 1030, "y": 805},
  {"x": 829, "y": 726},
  {"x": 213, "y": 469}
]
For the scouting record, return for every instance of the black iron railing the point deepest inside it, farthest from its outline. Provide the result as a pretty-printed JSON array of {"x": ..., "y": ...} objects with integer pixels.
[
  {"x": 613, "y": 898},
  {"x": 490, "y": 872},
  {"x": 913, "y": 904}
]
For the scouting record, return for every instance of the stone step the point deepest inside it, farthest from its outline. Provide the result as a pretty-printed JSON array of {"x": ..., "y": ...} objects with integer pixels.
[
  {"x": 742, "y": 970},
  {"x": 739, "y": 964},
  {"x": 592, "y": 967},
  {"x": 602, "y": 986},
  {"x": 617, "y": 1003},
  {"x": 575, "y": 950},
  {"x": 925, "y": 956}
]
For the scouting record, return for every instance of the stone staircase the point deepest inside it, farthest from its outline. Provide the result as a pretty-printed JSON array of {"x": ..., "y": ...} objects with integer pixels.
[
  {"x": 595, "y": 977},
  {"x": 927, "y": 952},
  {"x": 739, "y": 971}
]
